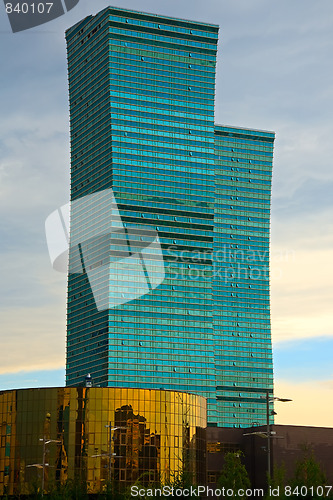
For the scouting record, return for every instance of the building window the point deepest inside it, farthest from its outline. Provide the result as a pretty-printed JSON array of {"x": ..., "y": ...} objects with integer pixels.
[{"x": 212, "y": 477}]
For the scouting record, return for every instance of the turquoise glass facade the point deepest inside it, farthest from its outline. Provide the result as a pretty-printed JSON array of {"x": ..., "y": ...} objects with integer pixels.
[
  {"x": 243, "y": 350},
  {"x": 142, "y": 91}
]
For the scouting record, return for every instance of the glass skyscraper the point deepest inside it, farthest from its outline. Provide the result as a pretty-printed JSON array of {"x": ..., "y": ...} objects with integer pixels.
[
  {"x": 241, "y": 313},
  {"x": 142, "y": 90}
]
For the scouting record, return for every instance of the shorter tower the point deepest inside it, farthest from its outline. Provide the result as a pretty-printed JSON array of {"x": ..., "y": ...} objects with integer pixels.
[{"x": 243, "y": 349}]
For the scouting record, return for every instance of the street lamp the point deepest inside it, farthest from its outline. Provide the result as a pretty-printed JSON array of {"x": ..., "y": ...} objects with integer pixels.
[
  {"x": 270, "y": 399},
  {"x": 43, "y": 465},
  {"x": 268, "y": 434},
  {"x": 109, "y": 426},
  {"x": 38, "y": 466},
  {"x": 110, "y": 454}
]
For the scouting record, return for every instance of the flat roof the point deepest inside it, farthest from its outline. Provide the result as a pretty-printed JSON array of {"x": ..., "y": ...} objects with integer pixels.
[{"x": 245, "y": 130}]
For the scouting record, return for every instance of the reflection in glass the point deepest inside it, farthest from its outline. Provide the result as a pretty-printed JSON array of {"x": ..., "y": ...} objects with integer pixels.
[{"x": 154, "y": 436}]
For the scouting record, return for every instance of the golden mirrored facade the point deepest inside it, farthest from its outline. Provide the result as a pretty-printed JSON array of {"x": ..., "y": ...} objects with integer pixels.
[{"x": 96, "y": 435}]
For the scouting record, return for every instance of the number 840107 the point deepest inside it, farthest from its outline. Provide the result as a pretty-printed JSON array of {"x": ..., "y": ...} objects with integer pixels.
[{"x": 29, "y": 8}]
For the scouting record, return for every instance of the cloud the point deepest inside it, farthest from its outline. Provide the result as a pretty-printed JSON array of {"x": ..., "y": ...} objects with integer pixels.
[
  {"x": 302, "y": 276},
  {"x": 302, "y": 167},
  {"x": 32, "y": 312},
  {"x": 302, "y": 295},
  {"x": 312, "y": 403},
  {"x": 33, "y": 338}
]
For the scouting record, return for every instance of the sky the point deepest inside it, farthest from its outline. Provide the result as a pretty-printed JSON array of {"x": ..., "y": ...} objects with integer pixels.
[{"x": 274, "y": 72}]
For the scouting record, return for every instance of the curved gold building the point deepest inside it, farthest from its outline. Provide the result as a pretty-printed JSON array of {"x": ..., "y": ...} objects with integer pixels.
[{"x": 96, "y": 435}]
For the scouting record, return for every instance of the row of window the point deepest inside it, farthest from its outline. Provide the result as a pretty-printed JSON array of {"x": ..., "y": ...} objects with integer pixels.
[
  {"x": 161, "y": 71},
  {"x": 166, "y": 26},
  {"x": 192, "y": 49}
]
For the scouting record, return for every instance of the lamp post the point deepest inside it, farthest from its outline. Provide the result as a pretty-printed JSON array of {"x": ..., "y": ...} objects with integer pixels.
[
  {"x": 110, "y": 455},
  {"x": 268, "y": 434},
  {"x": 45, "y": 442},
  {"x": 268, "y": 414},
  {"x": 109, "y": 426}
]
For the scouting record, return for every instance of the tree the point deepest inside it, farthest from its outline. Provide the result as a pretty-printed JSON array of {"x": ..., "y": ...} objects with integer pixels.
[
  {"x": 234, "y": 475},
  {"x": 308, "y": 472},
  {"x": 277, "y": 481}
]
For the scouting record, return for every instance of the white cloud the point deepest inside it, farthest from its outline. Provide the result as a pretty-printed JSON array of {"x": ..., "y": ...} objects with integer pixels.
[
  {"x": 312, "y": 403},
  {"x": 302, "y": 276},
  {"x": 302, "y": 295},
  {"x": 33, "y": 338},
  {"x": 32, "y": 312},
  {"x": 302, "y": 154}
]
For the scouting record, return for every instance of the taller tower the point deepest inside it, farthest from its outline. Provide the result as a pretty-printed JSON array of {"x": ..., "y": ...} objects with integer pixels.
[{"x": 142, "y": 90}]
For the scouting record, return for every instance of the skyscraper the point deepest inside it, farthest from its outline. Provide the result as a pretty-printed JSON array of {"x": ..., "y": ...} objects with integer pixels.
[
  {"x": 243, "y": 351},
  {"x": 142, "y": 90}
]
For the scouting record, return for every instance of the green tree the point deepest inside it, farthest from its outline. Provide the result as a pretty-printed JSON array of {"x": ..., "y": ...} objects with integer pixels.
[
  {"x": 308, "y": 472},
  {"x": 234, "y": 475},
  {"x": 277, "y": 481},
  {"x": 70, "y": 490}
]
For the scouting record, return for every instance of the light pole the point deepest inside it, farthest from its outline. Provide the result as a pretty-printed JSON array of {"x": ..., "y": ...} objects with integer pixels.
[
  {"x": 109, "y": 426},
  {"x": 268, "y": 434},
  {"x": 110, "y": 455},
  {"x": 268, "y": 414},
  {"x": 45, "y": 442},
  {"x": 38, "y": 466}
]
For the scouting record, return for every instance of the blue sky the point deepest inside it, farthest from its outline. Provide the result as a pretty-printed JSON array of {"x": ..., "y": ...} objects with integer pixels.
[
  {"x": 274, "y": 72},
  {"x": 304, "y": 360}
]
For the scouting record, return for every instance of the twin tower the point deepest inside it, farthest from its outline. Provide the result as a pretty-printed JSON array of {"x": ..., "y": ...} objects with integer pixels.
[{"x": 168, "y": 283}]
